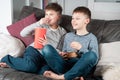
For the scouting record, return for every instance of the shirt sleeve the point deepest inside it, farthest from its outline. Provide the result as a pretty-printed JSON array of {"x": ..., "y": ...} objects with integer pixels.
[
  {"x": 93, "y": 45},
  {"x": 61, "y": 42},
  {"x": 29, "y": 30},
  {"x": 64, "y": 44}
]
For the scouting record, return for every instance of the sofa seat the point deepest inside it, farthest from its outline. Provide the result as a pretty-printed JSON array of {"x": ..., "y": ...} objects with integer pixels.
[{"x": 11, "y": 74}]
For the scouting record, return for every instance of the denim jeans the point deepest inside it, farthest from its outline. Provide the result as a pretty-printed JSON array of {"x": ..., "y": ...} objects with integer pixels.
[
  {"x": 71, "y": 68},
  {"x": 32, "y": 61}
]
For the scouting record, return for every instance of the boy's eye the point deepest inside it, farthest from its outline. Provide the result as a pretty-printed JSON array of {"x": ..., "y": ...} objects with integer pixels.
[
  {"x": 49, "y": 14},
  {"x": 75, "y": 18},
  {"x": 46, "y": 14}
]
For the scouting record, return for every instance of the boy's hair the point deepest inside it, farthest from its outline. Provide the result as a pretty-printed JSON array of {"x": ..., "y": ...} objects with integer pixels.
[
  {"x": 54, "y": 6},
  {"x": 84, "y": 10}
]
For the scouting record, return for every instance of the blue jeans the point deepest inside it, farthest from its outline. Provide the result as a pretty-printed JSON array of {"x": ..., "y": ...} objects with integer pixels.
[
  {"x": 71, "y": 68},
  {"x": 32, "y": 61}
]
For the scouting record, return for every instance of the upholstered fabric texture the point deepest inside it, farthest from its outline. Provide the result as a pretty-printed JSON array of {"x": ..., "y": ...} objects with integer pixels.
[
  {"x": 11, "y": 74},
  {"x": 105, "y": 31},
  {"x": 28, "y": 10},
  {"x": 10, "y": 45},
  {"x": 109, "y": 53},
  {"x": 111, "y": 31},
  {"x": 109, "y": 56},
  {"x": 16, "y": 28}
]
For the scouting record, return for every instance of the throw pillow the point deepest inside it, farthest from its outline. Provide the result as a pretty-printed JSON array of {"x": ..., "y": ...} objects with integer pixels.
[
  {"x": 109, "y": 56},
  {"x": 16, "y": 28},
  {"x": 110, "y": 53},
  {"x": 10, "y": 45}
]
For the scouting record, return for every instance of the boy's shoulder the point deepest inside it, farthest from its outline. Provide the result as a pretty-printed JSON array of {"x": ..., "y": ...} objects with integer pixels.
[
  {"x": 70, "y": 33},
  {"x": 91, "y": 34},
  {"x": 73, "y": 33}
]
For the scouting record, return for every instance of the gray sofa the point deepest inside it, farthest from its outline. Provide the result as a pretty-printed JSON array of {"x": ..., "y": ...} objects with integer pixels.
[{"x": 107, "y": 31}]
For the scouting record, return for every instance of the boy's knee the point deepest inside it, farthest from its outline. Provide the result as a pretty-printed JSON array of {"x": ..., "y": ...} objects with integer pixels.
[
  {"x": 91, "y": 56},
  {"x": 46, "y": 49},
  {"x": 30, "y": 68},
  {"x": 29, "y": 48}
]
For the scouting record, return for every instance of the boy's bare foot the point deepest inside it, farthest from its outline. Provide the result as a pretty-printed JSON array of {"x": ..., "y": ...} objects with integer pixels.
[
  {"x": 4, "y": 65},
  {"x": 52, "y": 75},
  {"x": 81, "y": 78}
]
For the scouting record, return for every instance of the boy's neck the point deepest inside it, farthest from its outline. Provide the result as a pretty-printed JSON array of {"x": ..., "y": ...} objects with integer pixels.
[
  {"x": 54, "y": 26},
  {"x": 82, "y": 32}
]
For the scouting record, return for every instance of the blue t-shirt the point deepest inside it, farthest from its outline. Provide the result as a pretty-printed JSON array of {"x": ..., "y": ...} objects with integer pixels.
[{"x": 89, "y": 42}]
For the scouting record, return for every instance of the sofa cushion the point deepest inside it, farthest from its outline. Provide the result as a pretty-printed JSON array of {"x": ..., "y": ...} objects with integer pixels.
[
  {"x": 65, "y": 22},
  {"x": 96, "y": 27},
  {"x": 111, "y": 31},
  {"x": 16, "y": 28},
  {"x": 10, "y": 45},
  {"x": 109, "y": 55},
  {"x": 11, "y": 74}
]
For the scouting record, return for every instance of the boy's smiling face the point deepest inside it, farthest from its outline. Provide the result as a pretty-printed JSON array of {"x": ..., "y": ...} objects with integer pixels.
[
  {"x": 79, "y": 20},
  {"x": 52, "y": 17}
]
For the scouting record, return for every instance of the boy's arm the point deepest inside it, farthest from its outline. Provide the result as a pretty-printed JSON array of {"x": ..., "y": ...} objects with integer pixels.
[
  {"x": 61, "y": 42},
  {"x": 93, "y": 45},
  {"x": 29, "y": 30}
]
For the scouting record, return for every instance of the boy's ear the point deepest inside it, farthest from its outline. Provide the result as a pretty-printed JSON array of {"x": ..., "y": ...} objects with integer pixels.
[
  {"x": 87, "y": 20},
  {"x": 60, "y": 16}
]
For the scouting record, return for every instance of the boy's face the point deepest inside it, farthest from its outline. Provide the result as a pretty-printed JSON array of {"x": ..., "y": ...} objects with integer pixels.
[
  {"x": 52, "y": 17},
  {"x": 79, "y": 20}
]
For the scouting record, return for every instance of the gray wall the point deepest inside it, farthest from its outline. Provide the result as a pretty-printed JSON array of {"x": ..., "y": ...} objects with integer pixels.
[
  {"x": 17, "y": 6},
  {"x": 68, "y": 5},
  {"x": 72, "y": 4}
]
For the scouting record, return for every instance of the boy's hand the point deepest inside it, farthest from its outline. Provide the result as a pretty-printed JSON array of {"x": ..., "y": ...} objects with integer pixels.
[
  {"x": 62, "y": 53},
  {"x": 44, "y": 21},
  {"x": 43, "y": 41},
  {"x": 76, "y": 45}
]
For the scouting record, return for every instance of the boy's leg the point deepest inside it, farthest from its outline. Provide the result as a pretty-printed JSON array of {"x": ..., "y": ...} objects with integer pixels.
[
  {"x": 83, "y": 66},
  {"x": 43, "y": 69},
  {"x": 53, "y": 59},
  {"x": 30, "y": 62}
]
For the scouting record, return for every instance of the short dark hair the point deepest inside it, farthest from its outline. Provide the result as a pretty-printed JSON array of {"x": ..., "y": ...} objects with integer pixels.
[
  {"x": 54, "y": 6},
  {"x": 84, "y": 10}
]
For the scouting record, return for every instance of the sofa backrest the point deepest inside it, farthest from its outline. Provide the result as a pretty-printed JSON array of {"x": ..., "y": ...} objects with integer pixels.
[
  {"x": 105, "y": 31},
  {"x": 27, "y": 10}
]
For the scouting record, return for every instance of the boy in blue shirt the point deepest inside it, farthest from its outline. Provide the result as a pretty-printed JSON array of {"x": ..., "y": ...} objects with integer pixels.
[{"x": 80, "y": 42}]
